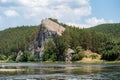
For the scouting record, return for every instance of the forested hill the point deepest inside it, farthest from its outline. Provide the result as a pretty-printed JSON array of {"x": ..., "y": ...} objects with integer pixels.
[
  {"x": 17, "y": 39},
  {"x": 14, "y": 39},
  {"x": 113, "y": 29}
]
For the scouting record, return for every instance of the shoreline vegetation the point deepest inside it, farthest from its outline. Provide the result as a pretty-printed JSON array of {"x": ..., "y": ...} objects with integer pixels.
[{"x": 94, "y": 61}]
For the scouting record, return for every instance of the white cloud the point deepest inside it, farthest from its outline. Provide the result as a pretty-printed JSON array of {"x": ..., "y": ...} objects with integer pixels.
[
  {"x": 74, "y": 24},
  {"x": 80, "y": 25},
  {"x": 84, "y": 2},
  {"x": 83, "y": 11},
  {"x": 67, "y": 11},
  {"x": 11, "y": 13},
  {"x": 34, "y": 3},
  {"x": 3, "y": 1},
  {"x": 0, "y": 19},
  {"x": 60, "y": 9},
  {"x": 95, "y": 21},
  {"x": 1, "y": 22},
  {"x": 90, "y": 22}
]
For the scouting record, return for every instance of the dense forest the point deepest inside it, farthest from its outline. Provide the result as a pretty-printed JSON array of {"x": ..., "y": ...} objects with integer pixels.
[
  {"x": 14, "y": 39},
  {"x": 102, "y": 39},
  {"x": 112, "y": 29}
]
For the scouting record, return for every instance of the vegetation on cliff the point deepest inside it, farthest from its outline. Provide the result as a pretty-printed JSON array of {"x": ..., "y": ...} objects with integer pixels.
[
  {"x": 95, "y": 39},
  {"x": 108, "y": 46}
]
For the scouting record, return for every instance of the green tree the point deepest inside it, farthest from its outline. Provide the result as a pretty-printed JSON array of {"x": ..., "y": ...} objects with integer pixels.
[
  {"x": 50, "y": 51},
  {"x": 111, "y": 51},
  {"x": 15, "y": 39},
  {"x": 25, "y": 56},
  {"x": 79, "y": 54},
  {"x": 61, "y": 46}
]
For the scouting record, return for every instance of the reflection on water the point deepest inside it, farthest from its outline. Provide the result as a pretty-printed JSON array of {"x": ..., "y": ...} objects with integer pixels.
[{"x": 59, "y": 71}]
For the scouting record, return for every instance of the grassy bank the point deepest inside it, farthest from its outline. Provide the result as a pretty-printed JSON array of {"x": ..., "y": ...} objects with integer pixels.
[
  {"x": 94, "y": 61},
  {"x": 98, "y": 61}
]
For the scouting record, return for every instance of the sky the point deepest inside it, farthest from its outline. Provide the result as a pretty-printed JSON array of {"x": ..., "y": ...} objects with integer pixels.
[{"x": 81, "y": 13}]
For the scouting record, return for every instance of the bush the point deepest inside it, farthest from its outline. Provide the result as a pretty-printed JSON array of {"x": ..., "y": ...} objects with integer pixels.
[
  {"x": 53, "y": 57},
  {"x": 110, "y": 55},
  {"x": 33, "y": 58},
  {"x": 12, "y": 57},
  {"x": 78, "y": 54},
  {"x": 93, "y": 56},
  {"x": 2, "y": 57},
  {"x": 75, "y": 57},
  {"x": 25, "y": 56}
]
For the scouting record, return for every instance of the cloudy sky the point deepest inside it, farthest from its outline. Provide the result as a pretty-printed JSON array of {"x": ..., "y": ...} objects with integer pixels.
[{"x": 82, "y": 13}]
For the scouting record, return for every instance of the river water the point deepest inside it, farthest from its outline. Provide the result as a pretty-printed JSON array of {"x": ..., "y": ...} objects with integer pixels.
[{"x": 59, "y": 71}]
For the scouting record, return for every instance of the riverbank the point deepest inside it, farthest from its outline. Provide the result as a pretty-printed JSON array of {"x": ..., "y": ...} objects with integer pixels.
[
  {"x": 87, "y": 61},
  {"x": 98, "y": 61},
  {"x": 3, "y": 61},
  {"x": 11, "y": 70}
]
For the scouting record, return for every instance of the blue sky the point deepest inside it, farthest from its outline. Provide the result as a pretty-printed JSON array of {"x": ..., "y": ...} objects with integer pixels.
[
  {"x": 82, "y": 13},
  {"x": 108, "y": 9}
]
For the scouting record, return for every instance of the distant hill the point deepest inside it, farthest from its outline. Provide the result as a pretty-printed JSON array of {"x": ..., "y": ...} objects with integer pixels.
[{"x": 113, "y": 29}]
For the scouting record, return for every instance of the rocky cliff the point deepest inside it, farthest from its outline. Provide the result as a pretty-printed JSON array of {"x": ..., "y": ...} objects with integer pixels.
[{"x": 47, "y": 30}]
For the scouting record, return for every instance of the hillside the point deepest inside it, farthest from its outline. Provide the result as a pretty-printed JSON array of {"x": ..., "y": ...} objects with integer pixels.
[
  {"x": 15, "y": 39},
  {"x": 54, "y": 41},
  {"x": 112, "y": 29}
]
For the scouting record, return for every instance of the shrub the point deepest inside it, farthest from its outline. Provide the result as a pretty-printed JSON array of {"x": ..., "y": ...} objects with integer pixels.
[
  {"x": 33, "y": 58},
  {"x": 78, "y": 54},
  {"x": 2, "y": 57},
  {"x": 12, "y": 57},
  {"x": 25, "y": 56},
  {"x": 93, "y": 56}
]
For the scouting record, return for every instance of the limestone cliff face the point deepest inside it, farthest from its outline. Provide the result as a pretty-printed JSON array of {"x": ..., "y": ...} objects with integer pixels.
[
  {"x": 52, "y": 26},
  {"x": 47, "y": 30}
]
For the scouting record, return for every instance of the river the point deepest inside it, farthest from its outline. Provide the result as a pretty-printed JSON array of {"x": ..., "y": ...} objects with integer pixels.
[{"x": 59, "y": 71}]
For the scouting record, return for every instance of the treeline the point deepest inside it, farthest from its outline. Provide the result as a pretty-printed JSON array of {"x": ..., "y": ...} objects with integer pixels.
[
  {"x": 111, "y": 50},
  {"x": 14, "y": 39},
  {"x": 111, "y": 29},
  {"x": 106, "y": 45}
]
